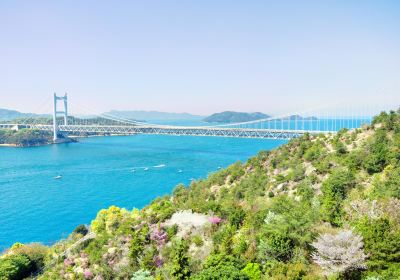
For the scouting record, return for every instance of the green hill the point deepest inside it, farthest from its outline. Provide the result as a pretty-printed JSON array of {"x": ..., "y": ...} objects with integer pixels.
[
  {"x": 6, "y": 114},
  {"x": 319, "y": 207}
]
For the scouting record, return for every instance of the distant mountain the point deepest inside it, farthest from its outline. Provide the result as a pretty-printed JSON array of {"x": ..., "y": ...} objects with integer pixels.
[
  {"x": 152, "y": 115},
  {"x": 232, "y": 117},
  {"x": 7, "y": 114}
]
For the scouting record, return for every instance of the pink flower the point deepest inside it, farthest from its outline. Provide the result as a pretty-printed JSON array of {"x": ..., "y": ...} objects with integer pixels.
[
  {"x": 158, "y": 235},
  {"x": 214, "y": 220},
  {"x": 68, "y": 262},
  {"x": 87, "y": 274},
  {"x": 158, "y": 261}
]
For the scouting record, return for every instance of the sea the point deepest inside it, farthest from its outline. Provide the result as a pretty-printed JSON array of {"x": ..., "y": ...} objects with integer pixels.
[{"x": 97, "y": 172}]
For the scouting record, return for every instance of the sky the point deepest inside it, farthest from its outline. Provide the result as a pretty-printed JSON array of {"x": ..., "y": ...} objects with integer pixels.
[{"x": 199, "y": 57}]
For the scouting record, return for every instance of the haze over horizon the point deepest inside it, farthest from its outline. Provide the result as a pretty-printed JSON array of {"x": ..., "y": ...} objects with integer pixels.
[{"x": 199, "y": 57}]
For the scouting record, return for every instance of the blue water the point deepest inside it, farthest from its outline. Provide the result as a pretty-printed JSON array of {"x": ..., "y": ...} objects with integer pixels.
[{"x": 97, "y": 173}]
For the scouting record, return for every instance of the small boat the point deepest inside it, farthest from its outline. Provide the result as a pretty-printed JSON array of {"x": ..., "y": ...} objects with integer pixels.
[
  {"x": 58, "y": 177},
  {"x": 159, "y": 166},
  {"x": 146, "y": 168},
  {"x": 219, "y": 167},
  {"x": 180, "y": 171},
  {"x": 133, "y": 170}
]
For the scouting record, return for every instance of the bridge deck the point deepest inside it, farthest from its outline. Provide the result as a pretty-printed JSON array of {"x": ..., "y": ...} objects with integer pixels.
[{"x": 176, "y": 130}]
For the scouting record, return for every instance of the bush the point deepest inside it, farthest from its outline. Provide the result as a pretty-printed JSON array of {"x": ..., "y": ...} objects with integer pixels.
[
  {"x": 35, "y": 252},
  {"x": 81, "y": 229},
  {"x": 253, "y": 271},
  {"x": 15, "y": 267},
  {"x": 142, "y": 275},
  {"x": 277, "y": 246},
  {"x": 198, "y": 241}
]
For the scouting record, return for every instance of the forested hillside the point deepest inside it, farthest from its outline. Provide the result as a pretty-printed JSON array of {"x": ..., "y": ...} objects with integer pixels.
[
  {"x": 232, "y": 117},
  {"x": 319, "y": 207}
]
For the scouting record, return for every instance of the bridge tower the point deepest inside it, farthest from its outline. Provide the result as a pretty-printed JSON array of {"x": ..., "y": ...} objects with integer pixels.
[{"x": 56, "y": 113}]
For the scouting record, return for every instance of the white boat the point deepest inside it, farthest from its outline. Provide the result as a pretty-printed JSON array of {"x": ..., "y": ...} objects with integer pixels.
[
  {"x": 146, "y": 168},
  {"x": 58, "y": 177},
  {"x": 133, "y": 170},
  {"x": 180, "y": 171},
  {"x": 159, "y": 166}
]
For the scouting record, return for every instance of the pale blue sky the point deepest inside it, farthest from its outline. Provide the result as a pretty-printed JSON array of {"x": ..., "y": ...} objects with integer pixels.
[{"x": 198, "y": 56}]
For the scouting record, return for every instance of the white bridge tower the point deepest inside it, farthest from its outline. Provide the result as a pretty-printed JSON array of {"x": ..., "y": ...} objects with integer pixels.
[{"x": 56, "y": 113}]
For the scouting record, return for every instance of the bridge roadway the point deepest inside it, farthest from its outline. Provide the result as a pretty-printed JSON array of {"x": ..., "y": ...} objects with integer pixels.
[{"x": 172, "y": 130}]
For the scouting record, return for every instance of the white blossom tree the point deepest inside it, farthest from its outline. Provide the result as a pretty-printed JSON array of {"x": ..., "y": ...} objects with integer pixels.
[{"x": 339, "y": 253}]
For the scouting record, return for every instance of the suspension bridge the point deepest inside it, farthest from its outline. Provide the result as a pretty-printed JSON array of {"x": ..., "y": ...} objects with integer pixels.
[{"x": 279, "y": 127}]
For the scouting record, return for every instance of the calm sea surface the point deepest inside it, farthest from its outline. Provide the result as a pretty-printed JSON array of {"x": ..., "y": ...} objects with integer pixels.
[{"x": 97, "y": 173}]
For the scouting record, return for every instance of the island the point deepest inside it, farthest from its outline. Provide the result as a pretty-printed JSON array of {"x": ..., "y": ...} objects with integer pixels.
[
  {"x": 28, "y": 138},
  {"x": 234, "y": 117}
]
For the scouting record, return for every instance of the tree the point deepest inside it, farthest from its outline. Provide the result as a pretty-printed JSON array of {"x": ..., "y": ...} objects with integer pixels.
[
  {"x": 339, "y": 253},
  {"x": 334, "y": 191},
  {"x": 377, "y": 157},
  {"x": 180, "y": 263},
  {"x": 382, "y": 242}
]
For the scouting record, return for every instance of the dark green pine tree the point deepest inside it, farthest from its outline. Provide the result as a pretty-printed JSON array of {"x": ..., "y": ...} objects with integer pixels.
[{"x": 180, "y": 265}]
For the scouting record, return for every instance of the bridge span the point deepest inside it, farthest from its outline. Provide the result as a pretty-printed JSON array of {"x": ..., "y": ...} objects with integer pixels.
[
  {"x": 281, "y": 127},
  {"x": 171, "y": 130}
]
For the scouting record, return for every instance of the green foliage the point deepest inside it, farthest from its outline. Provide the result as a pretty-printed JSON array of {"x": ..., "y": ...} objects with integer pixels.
[
  {"x": 142, "y": 275},
  {"x": 180, "y": 263},
  {"x": 171, "y": 231},
  {"x": 15, "y": 267},
  {"x": 221, "y": 266},
  {"x": 282, "y": 271},
  {"x": 236, "y": 216},
  {"x": 35, "y": 252},
  {"x": 381, "y": 242},
  {"x": 109, "y": 220},
  {"x": 334, "y": 191},
  {"x": 389, "y": 186},
  {"x": 137, "y": 246},
  {"x": 277, "y": 245},
  {"x": 377, "y": 152},
  {"x": 198, "y": 241},
  {"x": 81, "y": 229},
  {"x": 221, "y": 273},
  {"x": 253, "y": 271},
  {"x": 25, "y": 137}
]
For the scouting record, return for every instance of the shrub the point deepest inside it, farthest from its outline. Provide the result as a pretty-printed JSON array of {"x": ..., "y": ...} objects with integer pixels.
[
  {"x": 277, "y": 246},
  {"x": 81, "y": 229},
  {"x": 15, "y": 267},
  {"x": 253, "y": 271},
  {"x": 198, "y": 241},
  {"x": 142, "y": 275}
]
